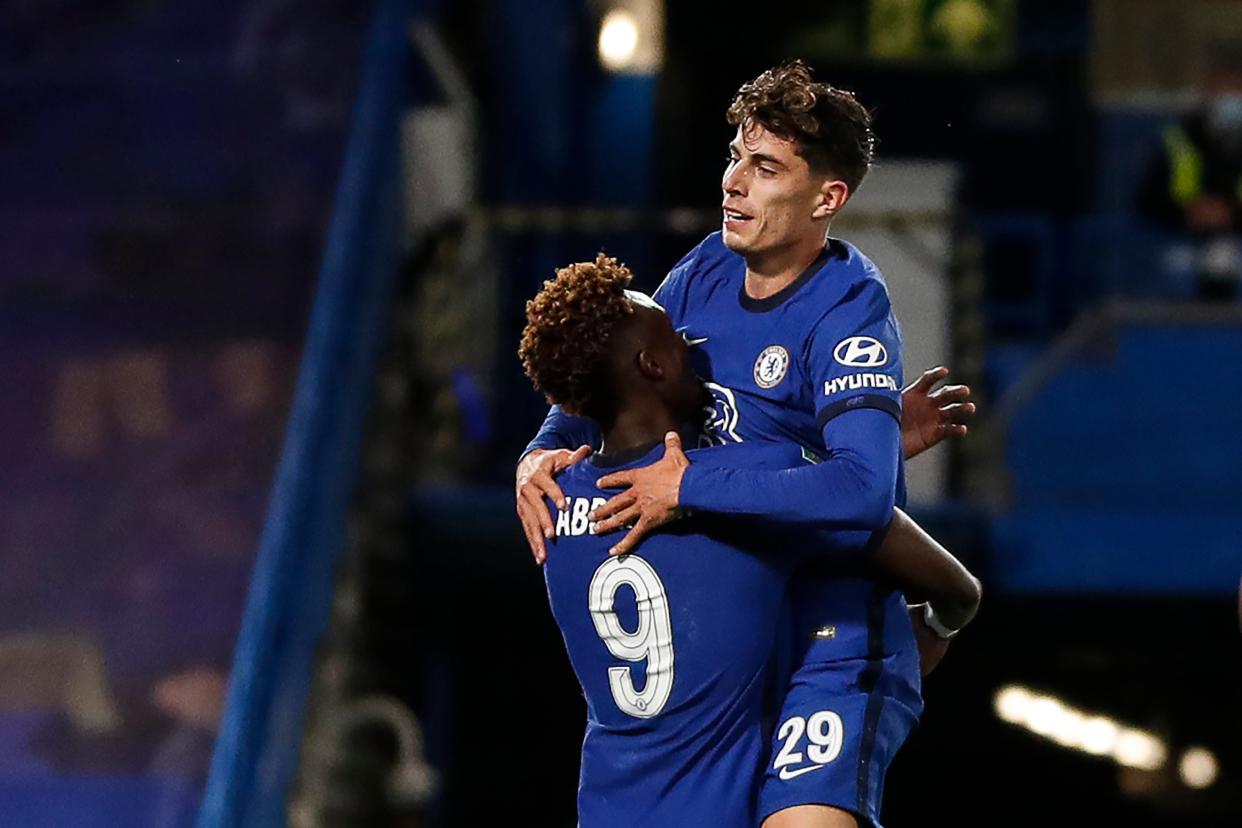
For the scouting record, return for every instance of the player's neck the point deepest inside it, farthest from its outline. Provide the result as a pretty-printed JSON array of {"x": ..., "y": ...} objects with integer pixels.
[
  {"x": 638, "y": 426},
  {"x": 771, "y": 272}
]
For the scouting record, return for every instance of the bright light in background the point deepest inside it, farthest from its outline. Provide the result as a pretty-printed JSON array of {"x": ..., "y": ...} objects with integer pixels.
[
  {"x": 1048, "y": 716},
  {"x": 1099, "y": 736},
  {"x": 1198, "y": 768},
  {"x": 1012, "y": 704},
  {"x": 1139, "y": 749},
  {"x": 1068, "y": 729},
  {"x": 618, "y": 40},
  {"x": 1045, "y": 714}
]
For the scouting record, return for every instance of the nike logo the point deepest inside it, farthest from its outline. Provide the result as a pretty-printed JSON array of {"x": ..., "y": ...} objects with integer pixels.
[
  {"x": 683, "y": 332},
  {"x": 786, "y": 774}
]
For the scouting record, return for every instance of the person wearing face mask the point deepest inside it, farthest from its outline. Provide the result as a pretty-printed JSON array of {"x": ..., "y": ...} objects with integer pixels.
[{"x": 1194, "y": 184}]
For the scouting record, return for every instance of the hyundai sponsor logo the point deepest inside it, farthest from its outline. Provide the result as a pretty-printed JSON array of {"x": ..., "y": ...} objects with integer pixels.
[
  {"x": 860, "y": 352},
  {"x": 853, "y": 382}
]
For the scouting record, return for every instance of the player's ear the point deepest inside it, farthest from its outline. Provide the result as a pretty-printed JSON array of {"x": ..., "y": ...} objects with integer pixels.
[
  {"x": 648, "y": 365},
  {"x": 833, "y": 194}
]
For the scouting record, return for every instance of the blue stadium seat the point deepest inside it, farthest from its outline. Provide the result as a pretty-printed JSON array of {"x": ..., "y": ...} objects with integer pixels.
[
  {"x": 96, "y": 801},
  {"x": 1134, "y": 450}
]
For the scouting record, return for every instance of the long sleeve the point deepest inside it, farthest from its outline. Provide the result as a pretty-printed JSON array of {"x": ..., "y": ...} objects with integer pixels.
[
  {"x": 852, "y": 488},
  {"x": 833, "y": 544},
  {"x": 853, "y": 358},
  {"x": 564, "y": 431}
]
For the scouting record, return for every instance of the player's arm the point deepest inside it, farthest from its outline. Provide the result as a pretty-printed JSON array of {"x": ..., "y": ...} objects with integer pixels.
[
  {"x": 848, "y": 547},
  {"x": 858, "y": 382},
  {"x": 563, "y": 440},
  {"x": 852, "y": 488},
  {"x": 913, "y": 561}
]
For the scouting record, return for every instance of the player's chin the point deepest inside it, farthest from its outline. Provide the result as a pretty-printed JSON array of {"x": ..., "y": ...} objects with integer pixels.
[{"x": 734, "y": 240}]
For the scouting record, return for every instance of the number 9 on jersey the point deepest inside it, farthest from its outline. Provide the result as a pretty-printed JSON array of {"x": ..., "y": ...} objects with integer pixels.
[{"x": 651, "y": 642}]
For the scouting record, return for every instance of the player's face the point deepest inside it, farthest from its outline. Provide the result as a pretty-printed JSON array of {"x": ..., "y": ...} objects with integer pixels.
[
  {"x": 684, "y": 391},
  {"x": 770, "y": 194}
]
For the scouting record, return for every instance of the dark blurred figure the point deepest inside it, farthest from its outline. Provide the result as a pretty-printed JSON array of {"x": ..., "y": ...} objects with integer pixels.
[{"x": 1194, "y": 183}]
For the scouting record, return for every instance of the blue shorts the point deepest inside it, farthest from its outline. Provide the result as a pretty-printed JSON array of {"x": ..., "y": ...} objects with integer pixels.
[{"x": 839, "y": 728}]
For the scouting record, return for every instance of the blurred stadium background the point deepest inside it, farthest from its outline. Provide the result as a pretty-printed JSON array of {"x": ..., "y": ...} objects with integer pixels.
[{"x": 263, "y": 271}]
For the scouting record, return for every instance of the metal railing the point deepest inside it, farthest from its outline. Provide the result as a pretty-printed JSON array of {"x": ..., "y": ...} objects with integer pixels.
[{"x": 256, "y": 752}]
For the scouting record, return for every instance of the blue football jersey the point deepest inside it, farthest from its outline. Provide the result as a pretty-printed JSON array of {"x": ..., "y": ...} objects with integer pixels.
[
  {"x": 793, "y": 367},
  {"x": 671, "y": 646},
  {"x": 781, "y": 369}
]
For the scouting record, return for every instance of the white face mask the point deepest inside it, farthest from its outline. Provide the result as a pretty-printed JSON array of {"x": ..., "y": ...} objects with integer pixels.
[{"x": 1225, "y": 114}]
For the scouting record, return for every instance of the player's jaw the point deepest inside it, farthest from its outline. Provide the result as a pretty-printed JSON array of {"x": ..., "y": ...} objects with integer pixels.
[
  {"x": 756, "y": 229},
  {"x": 684, "y": 393},
  {"x": 770, "y": 195}
]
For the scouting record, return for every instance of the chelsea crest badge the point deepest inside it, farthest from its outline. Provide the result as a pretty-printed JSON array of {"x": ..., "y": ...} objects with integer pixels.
[{"x": 771, "y": 366}]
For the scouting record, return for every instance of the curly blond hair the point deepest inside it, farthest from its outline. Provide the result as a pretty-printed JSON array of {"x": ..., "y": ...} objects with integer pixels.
[{"x": 568, "y": 327}]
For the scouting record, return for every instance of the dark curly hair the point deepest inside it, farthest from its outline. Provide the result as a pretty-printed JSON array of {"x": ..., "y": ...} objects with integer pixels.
[
  {"x": 831, "y": 129},
  {"x": 568, "y": 326}
]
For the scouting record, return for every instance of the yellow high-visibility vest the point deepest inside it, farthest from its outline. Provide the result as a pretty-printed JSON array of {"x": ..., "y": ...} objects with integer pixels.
[{"x": 1186, "y": 167}]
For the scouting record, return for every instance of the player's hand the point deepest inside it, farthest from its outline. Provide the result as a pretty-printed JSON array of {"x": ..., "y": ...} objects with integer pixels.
[
  {"x": 650, "y": 498},
  {"x": 928, "y": 416},
  {"x": 535, "y": 481},
  {"x": 932, "y": 648}
]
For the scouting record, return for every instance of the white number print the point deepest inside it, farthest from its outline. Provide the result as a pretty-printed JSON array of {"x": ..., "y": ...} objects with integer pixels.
[
  {"x": 824, "y": 733},
  {"x": 652, "y": 641}
]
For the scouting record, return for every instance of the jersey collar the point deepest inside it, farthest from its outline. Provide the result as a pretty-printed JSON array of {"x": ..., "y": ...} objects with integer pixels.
[
  {"x": 833, "y": 250},
  {"x": 624, "y": 458}
]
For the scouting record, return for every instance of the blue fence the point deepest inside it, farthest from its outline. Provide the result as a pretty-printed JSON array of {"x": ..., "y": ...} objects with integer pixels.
[{"x": 256, "y": 753}]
